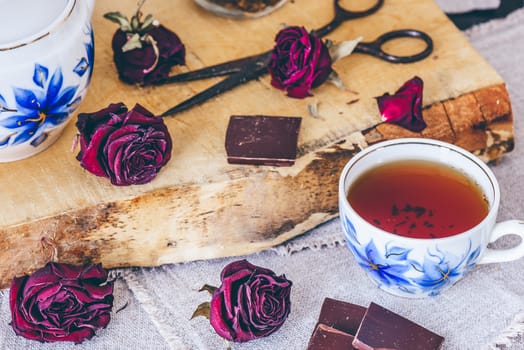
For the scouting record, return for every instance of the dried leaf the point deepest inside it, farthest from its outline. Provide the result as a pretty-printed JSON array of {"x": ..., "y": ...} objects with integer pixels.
[
  {"x": 148, "y": 24},
  {"x": 120, "y": 19},
  {"x": 208, "y": 288},
  {"x": 202, "y": 310},
  {"x": 132, "y": 43},
  {"x": 334, "y": 79},
  {"x": 122, "y": 308},
  {"x": 343, "y": 49},
  {"x": 313, "y": 110},
  {"x": 355, "y": 100},
  {"x": 135, "y": 23}
]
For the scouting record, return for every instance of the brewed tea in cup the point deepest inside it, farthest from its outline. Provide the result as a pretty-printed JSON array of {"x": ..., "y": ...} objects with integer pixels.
[
  {"x": 418, "y": 214},
  {"x": 418, "y": 199}
]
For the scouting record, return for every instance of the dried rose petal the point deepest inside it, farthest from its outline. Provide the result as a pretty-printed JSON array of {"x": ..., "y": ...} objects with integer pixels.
[
  {"x": 61, "y": 302},
  {"x": 251, "y": 303},
  {"x": 404, "y": 108}
]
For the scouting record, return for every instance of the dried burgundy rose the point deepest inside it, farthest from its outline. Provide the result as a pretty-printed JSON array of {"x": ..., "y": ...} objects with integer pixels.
[
  {"x": 252, "y": 302},
  {"x": 61, "y": 302},
  {"x": 299, "y": 62},
  {"x": 404, "y": 108},
  {"x": 128, "y": 147},
  {"x": 143, "y": 50}
]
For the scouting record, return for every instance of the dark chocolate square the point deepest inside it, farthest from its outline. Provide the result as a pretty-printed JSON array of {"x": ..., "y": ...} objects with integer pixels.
[
  {"x": 262, "y": 140},
  {"x": 345, "y": 317},
  {"x": 384, "y": 329},
  {"x": 328, "y": 338}
]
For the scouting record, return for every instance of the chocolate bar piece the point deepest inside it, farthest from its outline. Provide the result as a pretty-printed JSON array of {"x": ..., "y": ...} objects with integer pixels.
[
  {"x": 345, "y": 317},
  {"x": 328, "y": 338},
  {"x": 262, "y": 140},
  {"x": 384, "y": 329}
]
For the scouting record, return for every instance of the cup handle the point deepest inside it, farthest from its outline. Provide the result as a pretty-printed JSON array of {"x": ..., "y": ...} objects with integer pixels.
[{"x": 503, "y": 255}]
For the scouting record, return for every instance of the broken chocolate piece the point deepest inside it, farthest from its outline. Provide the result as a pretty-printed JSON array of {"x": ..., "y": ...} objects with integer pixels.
[
  {"x": 345, "y": 317},
  {"x": 328, "y": 338},
  {"x": 262, "y": 140},
  {"x": 384, "y": 329}
]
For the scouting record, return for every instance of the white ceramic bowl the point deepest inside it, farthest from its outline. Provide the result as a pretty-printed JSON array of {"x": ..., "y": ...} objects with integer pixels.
[{"x": 46, "y": 61}]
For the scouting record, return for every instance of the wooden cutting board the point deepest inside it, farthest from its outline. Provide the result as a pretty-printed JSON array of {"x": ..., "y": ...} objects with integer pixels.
[{"x": 201, "y": 207}]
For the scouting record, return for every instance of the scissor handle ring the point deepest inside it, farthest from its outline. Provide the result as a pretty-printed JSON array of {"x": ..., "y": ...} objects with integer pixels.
[
  {"x": 340, "y": 11},
  {"x": 374, "y": 48},
  {"x": 341, "y": 15}
]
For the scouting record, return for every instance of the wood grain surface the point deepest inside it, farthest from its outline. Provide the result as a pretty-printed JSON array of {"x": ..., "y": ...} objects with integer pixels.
[{"x": 199, "y": 206}]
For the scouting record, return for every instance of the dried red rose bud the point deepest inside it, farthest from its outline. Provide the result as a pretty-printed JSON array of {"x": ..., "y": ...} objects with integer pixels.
[
  {"x": 404, "y": 108},
  {"x": 128, "y": 147},
  {"x": 251, "y": 303},
  {"x": 299, "y": 62},
  {"x": 61, "y": 302},
  {"x": 143, "y": 50}
]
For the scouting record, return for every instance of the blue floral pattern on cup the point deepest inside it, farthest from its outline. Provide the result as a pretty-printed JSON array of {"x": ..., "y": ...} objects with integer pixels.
[
  {"x": 85, "y": 64},
  {"x": 394, "y": 267},
  {"x": 441, "y": 269},
  {"x": 45, "y": 105}
]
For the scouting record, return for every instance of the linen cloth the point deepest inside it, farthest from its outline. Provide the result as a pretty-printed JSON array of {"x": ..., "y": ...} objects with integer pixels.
[{"x": 483, "y": 311}]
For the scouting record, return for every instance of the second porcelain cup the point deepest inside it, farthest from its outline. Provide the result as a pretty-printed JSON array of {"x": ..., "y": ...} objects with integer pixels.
[{"x": 419, "y": 267}]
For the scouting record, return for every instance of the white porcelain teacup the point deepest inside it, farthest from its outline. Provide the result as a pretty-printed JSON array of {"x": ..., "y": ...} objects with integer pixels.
[
  {"x": 46, "y": 61},
  {"x": 419, "y": 267}
]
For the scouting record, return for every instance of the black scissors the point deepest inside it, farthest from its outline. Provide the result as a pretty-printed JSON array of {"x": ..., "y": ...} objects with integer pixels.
[{"x": 249, "y": 68}]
